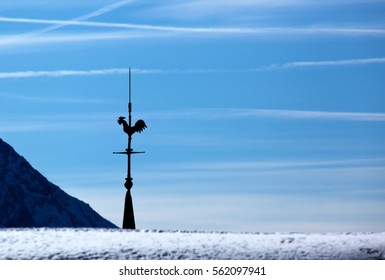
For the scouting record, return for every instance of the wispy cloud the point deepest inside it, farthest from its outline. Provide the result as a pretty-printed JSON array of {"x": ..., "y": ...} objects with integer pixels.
[
  {"x": 239, "y": 113},
  {"x": 60, "y": 24},
  {"x": 274, "y": 165},
  {"x": 310, "y": 30},
  {"x": 321, "y": 115},
  {"x": 299, "y": 64},
  {"x": 53, "y": 99},
  {"x": 98, "y": 72},
  {"x": 155, "y": 30},
  {"x": 202, "y": 4},
  {"x": 104, "y": 10},
  {"x": 81, "y": 37},
  {"x": 62, "y": 73},
  {"x": 80, "y": 121},
  {"x": 55, "y": 122},
  {"x": 221, "y": 8},
  {"x": 114, "y": 71}
]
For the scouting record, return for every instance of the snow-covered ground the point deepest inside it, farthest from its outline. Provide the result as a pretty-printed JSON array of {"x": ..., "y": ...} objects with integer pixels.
[{"x": 44, "y": 243}]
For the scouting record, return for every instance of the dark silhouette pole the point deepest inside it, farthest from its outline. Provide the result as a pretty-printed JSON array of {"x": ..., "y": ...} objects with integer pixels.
[{"x": 140, "y": 125}]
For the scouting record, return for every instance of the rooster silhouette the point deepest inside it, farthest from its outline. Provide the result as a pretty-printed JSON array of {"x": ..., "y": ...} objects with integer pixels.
[{"x": 139, "y": 126}]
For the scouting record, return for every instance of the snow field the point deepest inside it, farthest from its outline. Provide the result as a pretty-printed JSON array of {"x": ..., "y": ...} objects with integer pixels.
[{"x": 117, "y": 244}]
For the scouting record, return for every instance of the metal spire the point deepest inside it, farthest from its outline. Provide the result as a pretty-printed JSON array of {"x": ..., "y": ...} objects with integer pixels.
[{"x": 128, "y": 215}]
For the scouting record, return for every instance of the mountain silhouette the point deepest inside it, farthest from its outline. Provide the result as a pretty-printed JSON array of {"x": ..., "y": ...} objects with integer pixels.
[{"x": 28, "y": 199}]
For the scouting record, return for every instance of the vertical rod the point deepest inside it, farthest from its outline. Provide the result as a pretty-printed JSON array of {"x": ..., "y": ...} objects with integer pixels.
[
  {"x": 129, "y": 97},
  {"x": 129, "y": 124},
  {"x": 128, "y": 215}
]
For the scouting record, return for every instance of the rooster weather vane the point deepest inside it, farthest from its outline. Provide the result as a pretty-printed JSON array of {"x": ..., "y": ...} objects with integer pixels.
[{"x": 140, "y": 125}]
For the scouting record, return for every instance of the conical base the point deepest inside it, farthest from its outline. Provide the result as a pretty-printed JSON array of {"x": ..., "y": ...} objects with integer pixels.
[{"x": 128, "y": 216}]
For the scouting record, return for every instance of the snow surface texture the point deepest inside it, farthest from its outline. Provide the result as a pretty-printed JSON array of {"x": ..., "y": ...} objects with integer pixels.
[{"x": 87, "y": 243}]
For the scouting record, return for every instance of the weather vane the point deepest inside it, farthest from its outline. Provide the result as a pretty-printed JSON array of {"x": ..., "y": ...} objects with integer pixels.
[{"x": 140, "y": 125}]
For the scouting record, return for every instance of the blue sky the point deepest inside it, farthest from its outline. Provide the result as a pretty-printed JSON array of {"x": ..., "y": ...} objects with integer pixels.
[{"x": 262, "y": 115}]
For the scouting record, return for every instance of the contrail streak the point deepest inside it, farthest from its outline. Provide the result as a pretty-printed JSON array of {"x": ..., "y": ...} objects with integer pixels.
[
  {"x": 112, "y": 71},
  {"x": 234, "y": 30},
  {"x": 60, "y": 24},
  {"x": 320, "y": 115},
  {"x": 61, "y": 73},
  {"x": 96, "y": 72},
  {"x": 216, "y": 114},
  {"x": 93, "y": 14},
  {"x": 328, "y": 63}
]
